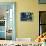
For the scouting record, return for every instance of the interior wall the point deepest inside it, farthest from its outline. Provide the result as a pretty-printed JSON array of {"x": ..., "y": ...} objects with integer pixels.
[{"x": 27, "y": 29}]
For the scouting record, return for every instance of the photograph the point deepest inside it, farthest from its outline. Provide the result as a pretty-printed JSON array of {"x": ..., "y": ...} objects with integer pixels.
[{"x": 23, "y": 22}]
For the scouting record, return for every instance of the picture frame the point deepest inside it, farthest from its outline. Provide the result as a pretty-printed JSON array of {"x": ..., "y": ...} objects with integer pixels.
[
  {"x": 42, "y": 1},
  {"x": 26, "y": 16}
]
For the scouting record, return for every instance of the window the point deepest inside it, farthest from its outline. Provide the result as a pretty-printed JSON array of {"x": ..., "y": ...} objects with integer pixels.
[
  {"x": 42, "y": 22},
  {"x": 7, "y": 21}
]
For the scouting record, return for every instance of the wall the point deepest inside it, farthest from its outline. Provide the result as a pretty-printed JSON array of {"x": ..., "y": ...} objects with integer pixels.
[{"x": 27, "y": 29}]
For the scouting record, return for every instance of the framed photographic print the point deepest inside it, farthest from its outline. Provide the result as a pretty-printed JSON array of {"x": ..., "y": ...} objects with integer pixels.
[{"x": 26, "y": 16}]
